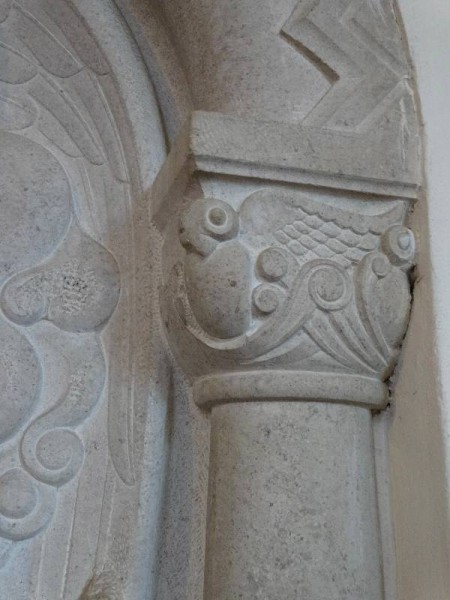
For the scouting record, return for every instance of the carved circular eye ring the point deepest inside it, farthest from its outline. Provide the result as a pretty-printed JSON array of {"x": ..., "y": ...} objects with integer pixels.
[
  {"x": 217, "y": 217},
  {"x": 399, "y": 245},
  {"x": 320, "y": 275},
  {"x": 221, "y": 220}
]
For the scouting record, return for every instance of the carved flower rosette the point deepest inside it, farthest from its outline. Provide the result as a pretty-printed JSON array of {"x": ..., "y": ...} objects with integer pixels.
[{"x": 289, "y": 283}]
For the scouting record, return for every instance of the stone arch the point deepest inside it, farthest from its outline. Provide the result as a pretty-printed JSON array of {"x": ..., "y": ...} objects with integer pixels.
[{"x": 256, "y": 157}]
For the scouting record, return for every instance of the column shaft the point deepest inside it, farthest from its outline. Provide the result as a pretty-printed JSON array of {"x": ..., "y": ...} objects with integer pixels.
[{"x": 292, "y": 503}]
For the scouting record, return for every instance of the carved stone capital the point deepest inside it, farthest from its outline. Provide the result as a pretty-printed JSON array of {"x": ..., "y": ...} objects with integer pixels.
[{"x": 273, "y": 290}]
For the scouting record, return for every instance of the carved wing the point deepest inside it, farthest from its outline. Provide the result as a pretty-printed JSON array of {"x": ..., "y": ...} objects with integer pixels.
[
  {"x": 323, "y": 231},
  {"x": 347, "y": 245},
  {"x": 74, "y": 264},
  {"x": 318, "y": 268}
]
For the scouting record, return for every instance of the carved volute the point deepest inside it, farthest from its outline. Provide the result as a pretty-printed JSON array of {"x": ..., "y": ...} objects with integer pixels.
[
  {"x": 286, "y": 288},
  {"x": 226, "y": 313}
]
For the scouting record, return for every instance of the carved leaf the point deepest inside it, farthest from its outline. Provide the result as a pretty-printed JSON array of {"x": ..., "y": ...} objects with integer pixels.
[
  {"x": 391, "y": 299},
  {"x": 16, "y": 113},
  {"x": 18, "y": 394},
  {"x": 77, "y": 289},
  {"x": 77, "y": 32},
  {"x": 50, "y": 450},
  {"x": 5, "y": 7},
  {"x": 87, "y": 88},
  {"x": 46, "y": 48},
  {"x": 63, "y": 110},
  {"x": 14, "y": 67},
  {"x": 54, "y": 131},
  {"x": 334, "y": 344},
  {"x": 35, "y": 203}
]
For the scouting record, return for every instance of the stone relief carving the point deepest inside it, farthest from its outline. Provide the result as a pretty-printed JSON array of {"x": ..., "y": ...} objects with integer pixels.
[
  {"x": 286, "y": 282},
  {"x": 261, "y": 296},
  {"x": 18, "y": 357},
  {"x": 357, "y": 47},
  {"x": 68, "y": 262},
  {"x": 77, "y": 289}
]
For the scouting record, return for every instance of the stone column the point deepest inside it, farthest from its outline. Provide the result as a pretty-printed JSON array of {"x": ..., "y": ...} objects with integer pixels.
[
  {"x": 285, "y": 303},
  {"x": 292, "y": 506}
]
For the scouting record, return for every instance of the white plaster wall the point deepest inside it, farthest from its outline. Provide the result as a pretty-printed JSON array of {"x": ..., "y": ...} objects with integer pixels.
[
  {"x": 420, "y": 432},
  {"x": 428, "y": 27}
]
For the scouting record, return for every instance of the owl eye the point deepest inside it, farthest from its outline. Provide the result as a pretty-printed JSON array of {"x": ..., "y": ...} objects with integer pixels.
[
  {"x": 399, "y": 245},
  {"x": 221, "y": 221},
  {"x": 217, "y": 217},
  {"x": 207, "y": 222}
]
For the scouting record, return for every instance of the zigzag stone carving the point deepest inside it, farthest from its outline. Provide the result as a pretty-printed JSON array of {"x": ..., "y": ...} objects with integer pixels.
[{"x": 356, "y": 44}]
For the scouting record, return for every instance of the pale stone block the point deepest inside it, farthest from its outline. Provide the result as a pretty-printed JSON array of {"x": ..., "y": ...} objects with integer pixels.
[{"x": 292, "y": 510}]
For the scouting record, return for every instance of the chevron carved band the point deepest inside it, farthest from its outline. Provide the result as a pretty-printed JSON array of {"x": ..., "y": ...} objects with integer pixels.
[{"x": 356, "y": 44}]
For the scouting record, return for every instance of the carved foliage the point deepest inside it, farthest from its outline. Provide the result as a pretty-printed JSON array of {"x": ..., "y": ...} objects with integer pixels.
[
  {"x": 292, "y": 282},
  {"x": 76, "y": 290},
  {"x": 56, "y": 127},
  {"x": 20, "y": 380}
]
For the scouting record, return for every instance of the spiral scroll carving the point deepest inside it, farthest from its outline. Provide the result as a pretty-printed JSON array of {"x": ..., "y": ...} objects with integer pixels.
[
  {"x": 290, "y": 282},
  {"x": 26, "y": 506},
  {"x": 54, "y": 273}
]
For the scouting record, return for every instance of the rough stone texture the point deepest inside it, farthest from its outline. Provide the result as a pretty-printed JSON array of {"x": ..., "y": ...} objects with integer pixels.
[
  {"x": 80, "y": 141},
  {"x": 329, "y": 77},
  {"x": 298, "y": 50},
  {"x": 276, "y": 269},
  {"x": 419, "y": 432},
  {"x": 283, "y": 281},
  {"x": 279, "y": 526},
  {"x": 276, "y": 293}
]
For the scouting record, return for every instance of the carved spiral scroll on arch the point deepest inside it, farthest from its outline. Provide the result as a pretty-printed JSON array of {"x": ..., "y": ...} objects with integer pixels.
[
  {"x": 59, "y": 89},
  {"x": 26, "y": 506},
  {"x": 51, "y": 450}
]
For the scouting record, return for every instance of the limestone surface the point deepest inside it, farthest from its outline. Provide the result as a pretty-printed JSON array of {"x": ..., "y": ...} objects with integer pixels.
[{"x": 205, "y": 269}]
